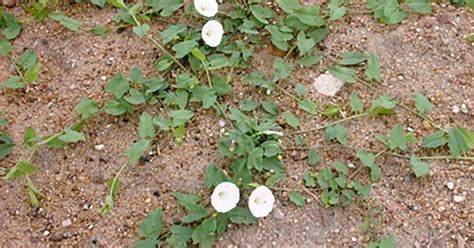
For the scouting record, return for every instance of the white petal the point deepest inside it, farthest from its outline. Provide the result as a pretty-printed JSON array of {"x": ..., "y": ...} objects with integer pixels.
[
  {"x": 261, "y": 202},
  {"x": 225, "y": 197},
  {"x": 207, "y": 8},
  {"x": 212, "y": 33}
]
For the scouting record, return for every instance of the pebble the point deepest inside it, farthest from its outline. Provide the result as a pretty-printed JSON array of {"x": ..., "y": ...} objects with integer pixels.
[
  {"x": 450, "y": 185},
  {"x": 46, "y": 233},
  {"x": 99, "y": 147},
  {"x": 147, "y": 200},
  {"x": 328, "y": 85},
  {"x": 103, "y": 78},
  {"x": 221, "y": 123},
  {"x": 464, "y": 109},
  {"x": 354, "y": 239},
  {"x": 66, "y": 223},
  {"x": 456, "y": 109},
  {"x": 458, "y": 198}
]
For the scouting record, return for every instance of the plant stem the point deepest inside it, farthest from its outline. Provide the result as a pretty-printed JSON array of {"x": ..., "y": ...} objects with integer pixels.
[
  {"x": 330, "y": 124},
  {"x": 422, "y": 116},
  {"x": 384, "y": 152},
  {"x": 218, "y": 106},
  {"x": 16, "y": 67}
]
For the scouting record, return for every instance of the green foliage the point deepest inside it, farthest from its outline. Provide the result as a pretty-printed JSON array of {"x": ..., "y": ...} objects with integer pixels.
[
  {"x": 434, "y": 140},
  {"x": 71, "y": 136},
  {"x": 11, "y": 26},
  {"x": 313, "y": 157},
  {"x": 398, "y": 138},
  {"x": 352, "y": 58},
  {"x": 21, "y": 168},
  {"x": 336, "y": 132},
  {"x": 152, "y": 225},
  {"x": 6, "y": 143},
  {"x": 214, "y": 176},
  {"x": 336, "y": 9},
  {"x": 5, "y": 47},
  {"x": 191, "y": 203},
  {"x": 86, "y": 108},
  {"x": 343, "y": 73},
  {"x": 297, "y": 198},
  {"x": 419, "y": 168},
  {"x": 368, "y": 160},
  {"x": 422, "y": 103},
  {"x": 460, "y": 140},
  {"x": 67, "y": 22},
  {"x": 28, "y": 68},
  {"x": 291, "y": 119},
  {"x": 384, "y": 105},
  {"x": 356, "y": 104},
  {"x": 135, "y": 152},
  {"x": 387, "y": 11}
]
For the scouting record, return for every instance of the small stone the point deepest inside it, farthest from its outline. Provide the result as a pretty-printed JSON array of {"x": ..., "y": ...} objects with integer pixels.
[
  {"x": 66, "y": 223},
  {"x": 103, "y": 78},
  {"x": 458, "y": 198},
  {"x": 328, "y": 85},
  {"x": 148, "y": 200},
  {"x": 400, "y": 77},
  {"x": 450, "y": 185},
  {"x": 99, "y": 147},
  {"x": 46, "y": 233},
  {"x": 456, "y": 109},
  {"x": 426, "y": 125},
  {"x": 354, "y": 239},
  {"x": 56, "y": 237},
  {"x": 464, "y": 109},
  {"x": 279, "y": 214},
  {"x": 221, "y": 123}
]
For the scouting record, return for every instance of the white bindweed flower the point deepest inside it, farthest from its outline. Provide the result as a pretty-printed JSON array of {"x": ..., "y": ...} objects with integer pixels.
[
  {"x": 207, "y": 8},
  {"x": 261, "y": 201},
  {"x": 212, "y": 33},
  {"x": 225, "y": 197}
]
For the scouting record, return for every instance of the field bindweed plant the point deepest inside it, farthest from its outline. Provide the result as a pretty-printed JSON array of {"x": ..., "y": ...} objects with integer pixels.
[{"x": 199, "y": 57}]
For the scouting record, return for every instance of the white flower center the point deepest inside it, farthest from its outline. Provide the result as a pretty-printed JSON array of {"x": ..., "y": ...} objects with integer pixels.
[
  {"x": 259, "y": 200},
  {"x": 221, "y": 194}
]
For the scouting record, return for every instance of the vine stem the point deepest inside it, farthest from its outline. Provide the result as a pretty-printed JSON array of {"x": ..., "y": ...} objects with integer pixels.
[
  {"x": 330, "y": 124},
  {"x": 218, "y": 106},
  {"x": 384, "y": 152},
  {"x": 16, "y": 66},
  {"x": 158, "y": 44},
  {"x": 422, "y": 116}
]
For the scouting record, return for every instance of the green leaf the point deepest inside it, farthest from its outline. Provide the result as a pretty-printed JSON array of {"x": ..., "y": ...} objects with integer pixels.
[
  {"x": 388, "y": 241},
  {"x": 142, "y": 30},
  {"x": 135, "y": 97},
  {"x": 352, "y": 58},
  {"x": 30, "y": 137},
  {"x": 254, "y": 159},
  {"x": 392, "y": 13},
  {"x": 86, "y": 108},
  {"x": 310, "y": 59},
  {"x": 146, "y": 243},
  {"x": 297, "y": 198},
  {"x": 420, "y": 6},
  {"x": 258, "y": 79},
  {"x": 398, "y": 138},
  {"x": 180, "y": 235},
  {"x": 343, "y": 73},
  {"x": 180, "y": 117},
  {"x": 100, "y": 3},
  {"x": 281, "y": 70},
  {"x": 332, "y": 110},
  {"x": 261, "y": 13},
  {"x": 309, "y": 106},
  {"x": 270, "y": 106},
  {"x": 373, "y": 71},
  {"x": 434, "y": 140},
  {"x": 309, "y": 179},
  {"x": 221, "y": 86},
  {"x": 356, "y": 103},
  {"x": 13, "y": 26},
  {"x": 13, "y": 82},
  {"x": 422, "y": 103},
  {"x": 204, "y": 233},
  {"x": 66, "y": 21},
  {"x": 336, "y": 132},
  {"x": 304, "y": 44},
  {"x": 248, "y": 105},
  {"x": 420, "y": 168},
  {"x": 240, "y": 215},
  {"x": 384, "y": 105},
  {"x": 291, "y": 119},
  {"x": 301, "y": 90},
  {"x": 71, "y": 136},
  {"x": 309, "y": 15},
  {"x": 5, "y": 47},
  {"x": 167, "y": 7},
  {"x": 183, "y": 48},
  {"x": 335, "y": 10},
  {"x": 20, "y": 169},
  {"x": 146, "y": 128},
  {"x": 27, "y": 59},
  {"x": 214, "y": 176},
  {"x": 289, "y": 5},
  {"x": 99, "y": 30},
  {"x": 172, "y": 31},
  {"x": 118, "y": 85},
  {"x": 279, "y": 39},
  {"x": 117, "y": 107},
  {"x": 152, "y": 225},
  {"x": 135, "y": 151},
  {"x": 190, "y": 202},
  {"x": 313, "y": 157},
  {"x": 456, "y": 142},
  {"x": 31, "y": 74}
]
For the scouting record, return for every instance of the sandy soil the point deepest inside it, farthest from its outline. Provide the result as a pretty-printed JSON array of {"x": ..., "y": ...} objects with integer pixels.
[{"x": 428, "y": 53}]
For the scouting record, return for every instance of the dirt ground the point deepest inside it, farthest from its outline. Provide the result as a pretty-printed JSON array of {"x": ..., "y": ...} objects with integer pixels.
[{"x": 428, "y": 53}]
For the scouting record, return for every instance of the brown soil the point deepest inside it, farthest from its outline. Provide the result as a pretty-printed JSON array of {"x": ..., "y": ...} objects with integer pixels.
[{"x": 428, "y": 53}]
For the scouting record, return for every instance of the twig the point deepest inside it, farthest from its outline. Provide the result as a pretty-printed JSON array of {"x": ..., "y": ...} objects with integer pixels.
[
  {"x": 330, "y": 124},
  {"x": 422, "y": 116},
  {"x": 446, "y": 233}
]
